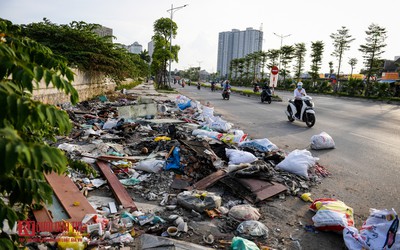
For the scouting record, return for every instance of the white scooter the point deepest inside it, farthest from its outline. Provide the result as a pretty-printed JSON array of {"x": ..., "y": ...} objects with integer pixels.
[{"x": 307, "y": 113}]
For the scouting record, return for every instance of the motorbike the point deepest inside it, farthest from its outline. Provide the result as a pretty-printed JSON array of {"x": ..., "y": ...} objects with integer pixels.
[
  {"x": 212, "y": 87},
  {"x": 198, "y": 86},
  {"x": 226, "y": 93},
  {"x": 266, "y": 95},
  {"x": 256, "y": 88},
  {"x": 307, "y": 113}
]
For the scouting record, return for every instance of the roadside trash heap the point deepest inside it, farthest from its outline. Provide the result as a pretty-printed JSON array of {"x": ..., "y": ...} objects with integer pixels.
[{"x": 190, "y": 165}]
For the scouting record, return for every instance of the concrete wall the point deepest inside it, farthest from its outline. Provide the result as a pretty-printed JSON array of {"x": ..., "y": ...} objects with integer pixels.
[{"x": 88, "y": 85}]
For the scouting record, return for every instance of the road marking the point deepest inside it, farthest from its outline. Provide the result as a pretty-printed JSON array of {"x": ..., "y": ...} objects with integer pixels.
[{"x": 372, "y": 139}]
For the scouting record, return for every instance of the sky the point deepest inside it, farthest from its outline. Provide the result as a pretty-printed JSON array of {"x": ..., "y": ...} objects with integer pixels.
[{"x": 201, "y": 20}]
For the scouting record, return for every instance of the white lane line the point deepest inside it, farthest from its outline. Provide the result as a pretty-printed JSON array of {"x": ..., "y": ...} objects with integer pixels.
[{"x": 372, "y": 139}]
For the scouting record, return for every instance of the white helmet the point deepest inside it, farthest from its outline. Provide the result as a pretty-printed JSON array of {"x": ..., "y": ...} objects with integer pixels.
[{"x": 299, "y": 84}]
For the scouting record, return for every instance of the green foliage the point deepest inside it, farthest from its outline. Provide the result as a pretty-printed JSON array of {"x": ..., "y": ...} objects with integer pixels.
[
  {"x": 26, "y": 124},
  {"x": 353, "y": 87},
  {"x": 163, "y": 51},
  {"x": 86, "y": 50},
  {"x": 130, "y": 85},
  {"x": 299, "y": 55},
  {"x": 317, "y": 49}
]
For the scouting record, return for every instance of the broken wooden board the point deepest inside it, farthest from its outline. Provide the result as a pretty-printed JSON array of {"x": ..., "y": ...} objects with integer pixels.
[
  {"x": 121, "y": 195},
  {"x": 254, "y": 190},
  {"x": 209, "y": 180},
  {"x": 117, "y": 158},
  {"x": 68, "y": 194}
]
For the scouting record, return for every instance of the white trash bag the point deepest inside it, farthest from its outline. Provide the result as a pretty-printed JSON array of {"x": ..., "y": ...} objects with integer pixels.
[
  {"x": 151, "y": 166},
  {"x": 298, "y": 162},
  {"x": 378, "y": 232},
  {"x": 237, "y": 156},
  {"x": 322, "y": 141}
]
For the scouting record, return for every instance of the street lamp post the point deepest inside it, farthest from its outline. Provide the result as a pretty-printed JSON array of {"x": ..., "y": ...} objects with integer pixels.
[
  {"x": 172, "y": 10},
  {"x": 280, "y": 55}
]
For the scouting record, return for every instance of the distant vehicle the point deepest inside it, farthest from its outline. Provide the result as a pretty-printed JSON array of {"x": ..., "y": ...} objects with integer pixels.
[
  {"x": 226, "y": 93},
  {"x": 266, "y": 95}
]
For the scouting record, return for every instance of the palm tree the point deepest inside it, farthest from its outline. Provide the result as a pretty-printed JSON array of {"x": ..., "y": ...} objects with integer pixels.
[{"x": 352, "y": 62}]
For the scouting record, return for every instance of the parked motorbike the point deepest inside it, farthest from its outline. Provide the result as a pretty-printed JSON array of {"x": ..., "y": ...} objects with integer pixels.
[
  {"x": 226, "y": 93},
  {"x": 266, "y": 95},
  {"x": 307, "y": 113}
]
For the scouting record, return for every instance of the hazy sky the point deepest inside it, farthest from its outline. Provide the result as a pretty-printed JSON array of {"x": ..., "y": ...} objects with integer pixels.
[{"x": 200, "y": 22}]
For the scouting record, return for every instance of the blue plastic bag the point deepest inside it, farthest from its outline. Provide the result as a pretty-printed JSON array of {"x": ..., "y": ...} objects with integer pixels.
[{"x": 174, "y": 161}]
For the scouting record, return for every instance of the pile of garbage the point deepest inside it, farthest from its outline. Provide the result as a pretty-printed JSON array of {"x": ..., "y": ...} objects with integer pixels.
[{"x": 191, "y": 166}]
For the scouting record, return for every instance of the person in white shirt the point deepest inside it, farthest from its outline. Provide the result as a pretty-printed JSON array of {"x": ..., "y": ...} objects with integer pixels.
[{"x": 298, "y": 93}]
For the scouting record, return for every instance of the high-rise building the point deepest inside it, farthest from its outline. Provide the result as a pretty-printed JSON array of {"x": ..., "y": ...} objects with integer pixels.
[
  {"x": 236, "y": 44},
  {"x": 135, "y": 48}
]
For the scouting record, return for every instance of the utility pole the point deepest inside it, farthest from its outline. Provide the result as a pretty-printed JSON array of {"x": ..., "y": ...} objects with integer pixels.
[
  {"x": 280, "y": 54},
  {"x": 172, "y": 10}
]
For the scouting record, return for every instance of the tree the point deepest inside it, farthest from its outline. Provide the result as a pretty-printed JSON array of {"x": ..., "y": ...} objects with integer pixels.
[
  {"x": 341, "y": 42},
  {"x": 26, "y": 125},
  {"x": 234, "y": 68},
  {"x": 299, "y": 54},
  {"x": 162, "y": 45},
  {"x": 84, "y": 49},
  {"x": 273, "y": 55},
  {"x": 144, "y": 55},
  {"x": 317, "y": 49},
  {"x": 247, "y": 66},
  {"x": 255, "y": 63},
  {"x": 263, "y": 60},
  {"x": 287, "y": 52},
  {"x": 352, "y": 62},
  {"x": 330, "y": 69},
  {"x": 372, "y": 49}
]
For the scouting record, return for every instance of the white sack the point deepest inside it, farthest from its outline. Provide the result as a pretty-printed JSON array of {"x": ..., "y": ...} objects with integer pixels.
[
  {"x": 210, "y": 134},
  {"x": 378, "y": 232},
  {"x": 237, "y": 156},
  {"x": 220, "y": 125},
  {"x": 152, "y": 166},
  {"x": 298, "y": 162},
  {"x": 322, "y": 141}
]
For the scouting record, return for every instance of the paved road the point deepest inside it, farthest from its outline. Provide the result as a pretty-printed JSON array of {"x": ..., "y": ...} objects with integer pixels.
[{"x": 365, "y": 165}]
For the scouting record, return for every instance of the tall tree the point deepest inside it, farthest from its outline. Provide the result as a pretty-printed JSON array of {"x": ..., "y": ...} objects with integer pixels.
[
  {"x": 287, "y": 52},
  {"x": 263, "y": 61},
  {"x": 299, "y": 54},
  {"x": 273, "y": 56},
  {"x": 352, "y": 62},
  {"x": 255, "y": 64},
  {"x": 330, "y": 69},
  {"x": 241, "y": 65},
  {"x": 144, "y": 55},
  {"x": 235, "y": 65},
  {"x": 162, "y": 53},
  {"x": 372, "y": 49},
  {"x": 317, "y": 49},
  {"x": 247, "y": 66},
  {"x": 341, "y": 42}
]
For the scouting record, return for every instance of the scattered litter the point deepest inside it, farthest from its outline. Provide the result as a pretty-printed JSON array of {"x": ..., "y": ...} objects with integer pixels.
[{"x": 322, "y": 141}]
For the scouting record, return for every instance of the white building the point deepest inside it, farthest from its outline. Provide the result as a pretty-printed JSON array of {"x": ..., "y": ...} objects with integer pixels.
[
  {"x": 236, "y": 44},
  {"x": 135, "y": 48}
]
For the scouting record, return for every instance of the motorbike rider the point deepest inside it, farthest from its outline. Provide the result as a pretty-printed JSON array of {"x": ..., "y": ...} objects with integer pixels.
[
  {"x": 226, "y": 85},
  {"x": 298, "y": 93}
]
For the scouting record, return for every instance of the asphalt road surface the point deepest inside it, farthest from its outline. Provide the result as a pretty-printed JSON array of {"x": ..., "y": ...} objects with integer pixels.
[{"x": 365, "y": 164}]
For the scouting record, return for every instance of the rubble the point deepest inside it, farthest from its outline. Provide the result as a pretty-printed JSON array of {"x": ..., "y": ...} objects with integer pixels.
[{"x": 177, "y": 157}]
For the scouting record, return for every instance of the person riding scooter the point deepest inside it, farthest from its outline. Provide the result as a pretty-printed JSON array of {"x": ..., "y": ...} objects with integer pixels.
[
  {"x": 298, "y": 93},
  {"x": 212, "y": 86},
  {"x": 226, "y": 89}
]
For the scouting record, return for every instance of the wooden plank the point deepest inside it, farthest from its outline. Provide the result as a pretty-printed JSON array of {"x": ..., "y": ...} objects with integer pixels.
[
  {"x": 117, "y": 158},
  {"x": 68, "y": 194},
  {"x": 121, "y": 195},
  {"x": 209, "y": 180},
  {"x": 262, "y": 189}
]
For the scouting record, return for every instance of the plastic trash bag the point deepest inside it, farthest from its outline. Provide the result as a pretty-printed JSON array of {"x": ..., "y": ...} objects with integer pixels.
[
  {"x": 183, "y": 102},
  {"x": 210, "y": 134},
  {"x": 109, "y": 124},
  {"x": 174, "y": 161},
  {"x": 237, "y": 156},
  {"x": 239, "y": 243},
  {"x": 152, "y": 166},
  {"x": 298, "y": 162},
  {"x": 252, "y": 228},
  {"x": 331, "y": 215},
  {"x": 379, "y": 231},
  {"x": 199, "y": 200},
  {"x": 220, "y": 125},
  {"x": 263, "y": 145},
  {"x": 244, "y": 212},
  {"x": 322, "y": 141}
]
